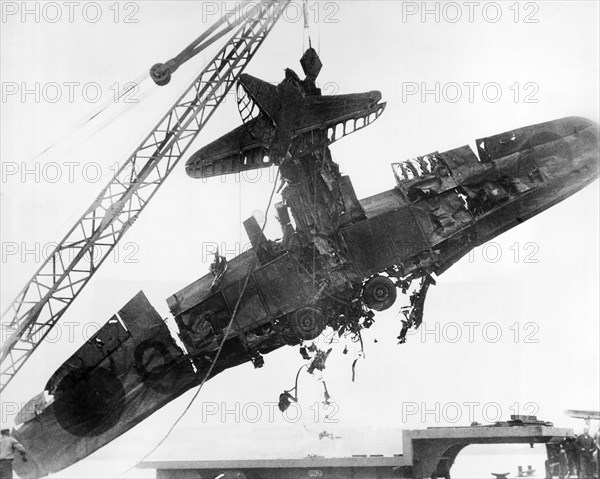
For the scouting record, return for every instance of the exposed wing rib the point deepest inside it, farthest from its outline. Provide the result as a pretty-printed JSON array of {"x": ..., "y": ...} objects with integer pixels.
[
  {"x": 234, "y": 152},
  {"x": 255, "y": 92},
  {"x": 341, "y": 114}
]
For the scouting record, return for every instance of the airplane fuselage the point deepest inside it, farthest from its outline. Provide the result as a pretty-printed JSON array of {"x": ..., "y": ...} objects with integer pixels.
[
  {"x": 339, "y": 260},
  {"x": 443, "y": 206}
]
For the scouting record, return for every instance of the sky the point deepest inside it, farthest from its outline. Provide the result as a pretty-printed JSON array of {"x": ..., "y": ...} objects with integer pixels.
[{"x": 511, "y": 328}]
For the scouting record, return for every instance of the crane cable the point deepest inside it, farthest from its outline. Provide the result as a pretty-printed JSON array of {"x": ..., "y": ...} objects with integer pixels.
[
  {"x": 130, "y": 87},
  {"x": 306, "y": 16},
  {"x": 222, "y": 343},
  {"x": 306, "y": 26}
]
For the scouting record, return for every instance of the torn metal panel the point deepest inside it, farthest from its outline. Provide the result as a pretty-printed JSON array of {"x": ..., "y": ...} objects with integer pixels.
[
  {"x": 543, "y": 164},
  {"x": 465, "y": 167},
  {"x": 285, "y": 296},
  {"x": 254, "y": 232},
  {"x": 97, "y": 349},
  {"x": 387, "y": 239},
  {"x": 382, "y": 202},
  {"x": 449, "y": 214},
  {"x": 32, "y": 409},
  {"x": 340, "y": 260},
  {"x": 314, "y": 206},
  {"x": 128, "y": 370},
  {"x": 265, "y": 298},
  {"x": 201, "y": 326}
]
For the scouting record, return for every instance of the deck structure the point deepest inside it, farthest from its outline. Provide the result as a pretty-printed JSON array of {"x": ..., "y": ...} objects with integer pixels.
[{"x": 425, "y": 453}]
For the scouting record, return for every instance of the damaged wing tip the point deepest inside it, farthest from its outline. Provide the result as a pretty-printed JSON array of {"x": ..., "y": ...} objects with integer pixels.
[
  {"x": 192, "y": 172},
  {"x": 375, "y": 96},
  {"x": 193, "y": 167}
]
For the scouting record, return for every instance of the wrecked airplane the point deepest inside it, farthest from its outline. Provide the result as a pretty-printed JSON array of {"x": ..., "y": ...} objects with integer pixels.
[{"x": 339, "y": 259}]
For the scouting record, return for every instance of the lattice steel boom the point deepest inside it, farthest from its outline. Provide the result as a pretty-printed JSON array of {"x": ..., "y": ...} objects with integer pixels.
[{"x": 46, "y": 297}]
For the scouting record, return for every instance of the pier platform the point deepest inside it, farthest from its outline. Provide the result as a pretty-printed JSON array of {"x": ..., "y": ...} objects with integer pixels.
[{"x": 426, "y": 453}]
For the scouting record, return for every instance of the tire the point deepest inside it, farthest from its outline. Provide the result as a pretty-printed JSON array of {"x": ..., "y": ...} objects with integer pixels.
[
  {"x": 379, "y": 293},
  {"x": 306, "y": 323}
]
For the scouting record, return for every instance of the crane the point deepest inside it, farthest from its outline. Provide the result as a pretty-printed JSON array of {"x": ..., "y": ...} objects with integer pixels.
[{"x": 63, "y": 275}]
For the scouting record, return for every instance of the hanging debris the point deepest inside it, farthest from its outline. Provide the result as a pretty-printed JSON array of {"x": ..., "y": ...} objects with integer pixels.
[
  {"x": 414, "y": 313},
  {"x": 340, "y": 261}
]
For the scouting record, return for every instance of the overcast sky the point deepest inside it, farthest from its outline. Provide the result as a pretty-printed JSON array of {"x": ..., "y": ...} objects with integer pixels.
[{"x": 513, "y": 64}]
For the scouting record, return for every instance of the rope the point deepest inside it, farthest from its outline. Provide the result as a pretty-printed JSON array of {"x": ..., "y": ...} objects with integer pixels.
[{"x": 214, "y": 361}]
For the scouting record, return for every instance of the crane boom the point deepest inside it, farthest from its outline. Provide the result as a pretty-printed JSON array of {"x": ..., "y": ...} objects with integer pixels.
[{"x": 52, "y": 289}]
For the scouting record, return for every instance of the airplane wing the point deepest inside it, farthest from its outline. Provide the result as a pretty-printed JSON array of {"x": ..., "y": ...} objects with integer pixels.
[
  {"x": 287, "y": 112},
  {"x": 129, "y": 369},
  {"x": 343, "y": 114},
  {"x": 254, "y": 92},
  {"x": 239, "y": 150}
]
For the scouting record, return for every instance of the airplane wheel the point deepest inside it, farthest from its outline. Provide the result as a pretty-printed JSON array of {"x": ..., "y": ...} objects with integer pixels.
[
  {"x": 306, "y": 323},
  {"x": 379, "y": 293}
]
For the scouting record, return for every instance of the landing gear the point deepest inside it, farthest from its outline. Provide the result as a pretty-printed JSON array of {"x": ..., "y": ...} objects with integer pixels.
[
  {"x": 379, "y": 293},
  {"x": 306, "y": 323}
]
